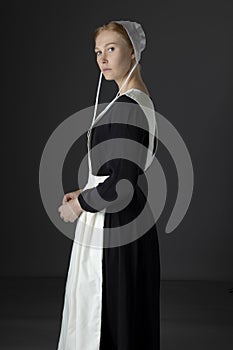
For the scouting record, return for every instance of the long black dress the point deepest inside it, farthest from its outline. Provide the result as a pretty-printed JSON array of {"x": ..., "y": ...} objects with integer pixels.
[{"x": 130, "y": 317}]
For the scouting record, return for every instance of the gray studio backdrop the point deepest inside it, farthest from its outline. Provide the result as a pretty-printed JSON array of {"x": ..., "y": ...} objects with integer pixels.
[{"x": 51, "y": 73}]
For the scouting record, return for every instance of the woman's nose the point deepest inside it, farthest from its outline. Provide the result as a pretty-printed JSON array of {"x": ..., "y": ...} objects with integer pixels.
[
  {"x": 104, "y": 60},
  {"x": 104, "y": 57}
]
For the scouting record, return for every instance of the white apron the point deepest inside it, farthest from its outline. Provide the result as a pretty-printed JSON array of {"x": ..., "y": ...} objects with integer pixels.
[{"x": 81, "y": 317}]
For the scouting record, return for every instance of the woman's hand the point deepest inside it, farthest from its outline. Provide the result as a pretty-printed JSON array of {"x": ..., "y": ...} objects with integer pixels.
[
  {"x": 70, "y": 208},
  {"x": 71, "y": 195}
]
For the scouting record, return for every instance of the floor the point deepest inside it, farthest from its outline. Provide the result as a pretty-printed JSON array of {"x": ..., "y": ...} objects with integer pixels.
[{"x": 195, "y": 315}]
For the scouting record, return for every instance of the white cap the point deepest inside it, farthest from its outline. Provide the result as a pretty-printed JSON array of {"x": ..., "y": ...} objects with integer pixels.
[{"x": 136, "y": 35}]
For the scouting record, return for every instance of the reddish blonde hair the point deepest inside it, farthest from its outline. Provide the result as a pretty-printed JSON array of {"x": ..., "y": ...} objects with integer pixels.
[{"x": 116, "y": 27}]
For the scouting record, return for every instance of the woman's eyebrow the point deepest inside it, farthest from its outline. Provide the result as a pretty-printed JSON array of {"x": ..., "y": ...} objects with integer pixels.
[{"x": 105, "y": 45}]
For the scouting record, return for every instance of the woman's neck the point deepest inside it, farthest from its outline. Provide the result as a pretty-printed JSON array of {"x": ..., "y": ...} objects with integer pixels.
[{"x": 134, "y": 82}]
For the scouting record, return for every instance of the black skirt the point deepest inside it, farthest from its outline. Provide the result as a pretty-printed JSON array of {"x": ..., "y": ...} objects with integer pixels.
[{"x": 131, "y": 295}]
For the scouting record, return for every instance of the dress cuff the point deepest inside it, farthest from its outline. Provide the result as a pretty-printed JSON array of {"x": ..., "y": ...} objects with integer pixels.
[{"x": 84, "y": 205}]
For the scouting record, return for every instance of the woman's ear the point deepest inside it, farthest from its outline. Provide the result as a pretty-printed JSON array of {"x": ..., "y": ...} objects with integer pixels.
[{"x": 132, "y": 55}]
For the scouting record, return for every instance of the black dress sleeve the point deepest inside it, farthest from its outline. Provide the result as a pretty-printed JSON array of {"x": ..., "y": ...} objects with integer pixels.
[{"x": 136, "y": 128}]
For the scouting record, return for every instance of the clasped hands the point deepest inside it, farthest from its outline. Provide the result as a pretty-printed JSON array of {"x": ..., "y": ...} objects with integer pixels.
[{"x": 70, "y": 208}]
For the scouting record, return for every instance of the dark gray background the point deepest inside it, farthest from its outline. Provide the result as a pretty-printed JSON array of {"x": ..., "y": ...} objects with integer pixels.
[{"x": 49, "y": 73}]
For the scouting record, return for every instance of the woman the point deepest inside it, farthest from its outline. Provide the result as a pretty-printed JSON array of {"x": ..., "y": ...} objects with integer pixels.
[{"x": 113, "y": 283}]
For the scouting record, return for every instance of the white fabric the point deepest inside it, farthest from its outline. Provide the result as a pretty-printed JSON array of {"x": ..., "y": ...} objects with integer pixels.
[
  {"x": 81, "y": 317},
  {"x": 136, "y": 35}
]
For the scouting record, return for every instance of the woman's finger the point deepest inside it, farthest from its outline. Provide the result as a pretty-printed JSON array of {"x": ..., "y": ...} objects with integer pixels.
[{"x": 66, "y": 198}]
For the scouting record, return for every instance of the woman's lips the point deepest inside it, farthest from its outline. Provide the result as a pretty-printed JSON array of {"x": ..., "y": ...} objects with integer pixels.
[{"x": 106, "y": 69}]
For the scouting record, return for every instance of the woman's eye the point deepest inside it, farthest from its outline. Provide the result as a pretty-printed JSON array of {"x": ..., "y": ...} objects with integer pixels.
[{"x": 99, "y": 52}]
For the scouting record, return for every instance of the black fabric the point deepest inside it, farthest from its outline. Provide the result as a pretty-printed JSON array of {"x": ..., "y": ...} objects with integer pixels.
[
  {"x": 117, "y": 168},
  {"x": 131, "y": 272},
  {"x": 131, "y": 295}
]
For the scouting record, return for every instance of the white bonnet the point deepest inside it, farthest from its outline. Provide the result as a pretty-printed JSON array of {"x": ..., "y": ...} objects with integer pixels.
[{"x": 136, "y": 35}]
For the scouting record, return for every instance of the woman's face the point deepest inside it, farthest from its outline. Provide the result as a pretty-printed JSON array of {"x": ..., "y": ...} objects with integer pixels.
[{"x": 113, "y": 54}]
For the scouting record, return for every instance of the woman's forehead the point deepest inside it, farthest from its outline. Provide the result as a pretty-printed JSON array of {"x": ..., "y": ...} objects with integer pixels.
[{"x": 108, "y": 36}]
